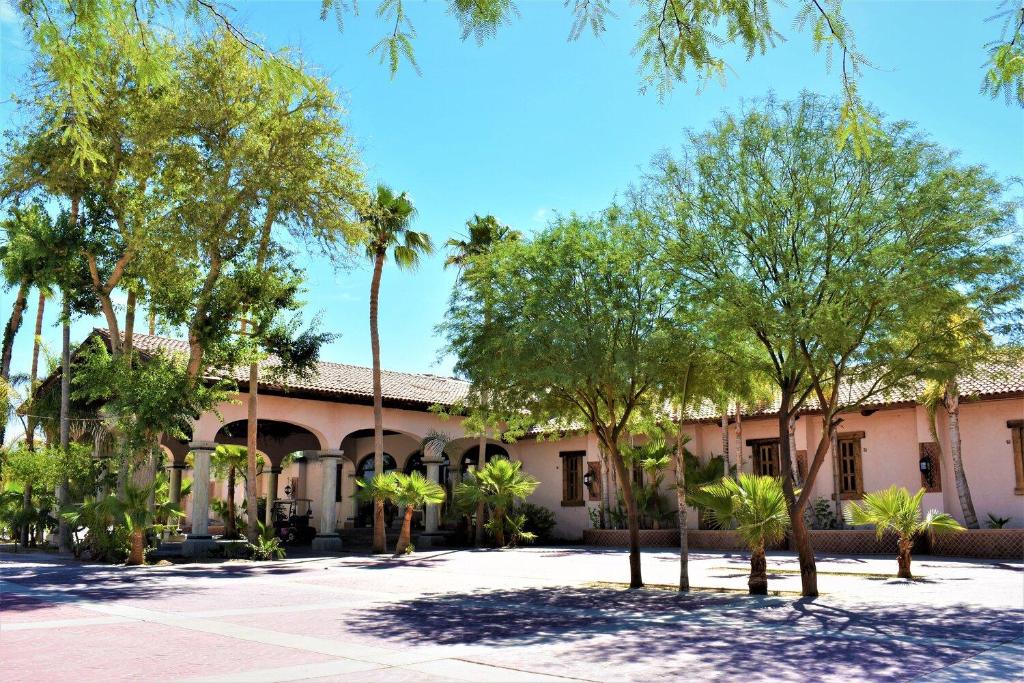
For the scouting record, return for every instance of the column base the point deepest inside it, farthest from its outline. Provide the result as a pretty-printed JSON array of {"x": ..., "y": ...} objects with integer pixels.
[
  {"x": 431, "y": 539},
  {"x": 327, "y": 543},
  {"x": 198, "y": 546}
]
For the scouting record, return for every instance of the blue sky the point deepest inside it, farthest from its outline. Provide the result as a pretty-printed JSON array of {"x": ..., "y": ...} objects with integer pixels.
[{"x": 529, "y": 125}]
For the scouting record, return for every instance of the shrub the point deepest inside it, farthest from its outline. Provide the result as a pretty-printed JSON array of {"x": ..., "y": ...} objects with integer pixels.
[
  {"x": 537, "y": 520},
  {"x": 820, "y": 515}
]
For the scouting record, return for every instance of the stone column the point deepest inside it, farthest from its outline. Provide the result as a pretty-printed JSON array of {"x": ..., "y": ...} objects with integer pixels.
[
  {"x": 432, "y": 458},
  {"x": 272, "y": 475},
  {"x": 199, "y": 541},
  {"x": 327, "y": 538}
]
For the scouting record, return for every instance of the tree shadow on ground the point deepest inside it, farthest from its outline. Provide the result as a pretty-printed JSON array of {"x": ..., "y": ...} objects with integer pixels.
[
  {"x": 606, "y": 633},
  {"x": 71, "y": 581}
]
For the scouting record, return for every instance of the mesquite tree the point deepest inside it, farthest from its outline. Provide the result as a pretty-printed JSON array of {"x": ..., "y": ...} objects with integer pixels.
[
  {"x": 572, "y": 326},
  {"x": 837, "y": 265}
]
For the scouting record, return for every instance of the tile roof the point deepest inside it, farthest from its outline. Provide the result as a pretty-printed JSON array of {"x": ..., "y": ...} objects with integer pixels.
[
  {"x": 339, "y": 380},
  {"x": 333, "y": 379},
  {"x": 991, "y": 382}
]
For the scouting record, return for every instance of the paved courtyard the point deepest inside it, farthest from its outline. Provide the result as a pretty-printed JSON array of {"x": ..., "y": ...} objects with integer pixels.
[{"x": 538, "y": 614}]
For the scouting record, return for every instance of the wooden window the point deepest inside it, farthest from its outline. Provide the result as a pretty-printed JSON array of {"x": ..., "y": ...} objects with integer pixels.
[
  {"x": 572, "y": 478},
  {"x": 931, "y": 479},
  {"x": 338, "y": 479},
  {"x": 638, "y": 476},
  {"x": 1017, "y": 444},
  {"x": 765, "y": 454},
  {"x": 851, "y": 476}
]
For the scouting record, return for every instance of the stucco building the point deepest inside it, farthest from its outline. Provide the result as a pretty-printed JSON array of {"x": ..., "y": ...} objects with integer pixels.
[{"x": 316, "y": 436}]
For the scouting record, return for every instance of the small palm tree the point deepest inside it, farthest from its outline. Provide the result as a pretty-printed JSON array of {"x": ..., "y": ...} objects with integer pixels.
[
  {"x": 413, "y": 491},
  {"x": 383, "y": 488},
  {"x": 498, "y": 484},
  {"x": 756, "y": 506},
  {"x": 388, "y": 218},
  {"x": 894, "y": 509},
  {"x": 133, "y": 511}
]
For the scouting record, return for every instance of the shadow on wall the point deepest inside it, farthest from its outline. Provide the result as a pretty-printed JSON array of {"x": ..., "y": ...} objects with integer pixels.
[{"x": 697, "y": 636}]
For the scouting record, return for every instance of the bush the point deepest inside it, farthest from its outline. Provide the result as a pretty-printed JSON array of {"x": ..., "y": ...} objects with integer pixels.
[
  {"x": 820, "y": 514},
  {"x": 538, "y": 520}
]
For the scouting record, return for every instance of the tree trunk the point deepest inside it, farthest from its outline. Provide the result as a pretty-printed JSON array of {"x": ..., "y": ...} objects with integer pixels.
[
  {"x": 26, "y": 503},
  {"x": 739, "y": 440},
  {"x": 405, "y": 537},
  {"x": 725, "y": 439},
  {"x": 903, "y": 558},
  {"x": 137, "y": 554},
  {"x": 635, "y": 574},
  {"x": 481, "y": 460},
  {"x": 152, "y": 322},
  {"x": 836, "y": 474},
  {"x": 794, "y": 465},
  {"x": 952, "y": 403},
  {"x": 30, "y": 422},
  {"x": 606, "y": 486},
  {"x": 13, "y": 324},
  {"x": 684, "y": 548},
  {"x": 802, "y": 540},
  {"x": 229, "y": 523},
  {"x": 499, "y": 526},
  {"x": 379, "y": 533},
  {"x": 129, "y": 325},
  {"x": 63, "y": 529},
  {"x": 758, "y": 581},
  {"x": 251, "y": 434}
]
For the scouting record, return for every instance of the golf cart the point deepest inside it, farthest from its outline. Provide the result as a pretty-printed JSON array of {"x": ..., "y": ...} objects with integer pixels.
[{"x": 292, "y": 518}]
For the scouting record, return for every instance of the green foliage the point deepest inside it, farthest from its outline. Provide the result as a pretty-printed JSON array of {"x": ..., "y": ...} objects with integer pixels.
[
  {"x": 109, "y": 522},
  {"x": 267, "y": 546},
  {"x": 755, "y": 505},
  {"x": 1004, "y": 73},
  {"x": 144, "y": 398},
  {"x": 820, "y": 514},
  {"x": 894, "y": 509},
  {"x": 499, "y": 484},
  {"x": 537, "y": 521},
  {"x": 388, "y": 217},
  {"x": 415, "y": 490},
  {"x": 995, "y": 522},
  {"x": 383, "y": 487}
]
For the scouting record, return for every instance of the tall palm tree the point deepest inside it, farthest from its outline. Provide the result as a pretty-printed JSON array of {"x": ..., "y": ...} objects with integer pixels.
[
  {"x": 387, "y": 217},
  {"x": 756, "y": 506},
  {"x": 482, "y": 234},
  {"x": 894, "y": 509},
  {"x": 413, "y": 491},
  {"x": 383, "y": 488},
  {"x": 498, "y": 484}
]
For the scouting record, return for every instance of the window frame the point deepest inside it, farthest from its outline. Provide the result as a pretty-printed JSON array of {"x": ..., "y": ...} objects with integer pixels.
[
  {"x": 572, "y": 477},
  {"x": 776, "y": 460},
  {"x": 1016, "y": 428},
  {"x": 856, "y": 438}
]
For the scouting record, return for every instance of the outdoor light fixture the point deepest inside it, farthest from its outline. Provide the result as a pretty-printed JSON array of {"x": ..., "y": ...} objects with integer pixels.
[
  {"x": 926, "y": 469},
  {"x": 588, "y": 478},
  {"x": 288, "y": 491}
]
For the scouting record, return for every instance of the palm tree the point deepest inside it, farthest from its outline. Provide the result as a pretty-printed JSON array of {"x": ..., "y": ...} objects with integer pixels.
[
  {"x": 387, "y": 218},
  {"x": 383, "y": 488},
  {"x": 134, "y": 510},
  {"x": 947, "y": 395},
  {"x": 413, "y": 491},
  {"x": 231, "y": 462},
  {"x": 498, "y": 484},
  {"x": 483, "y": 233},
  {"x": 756, "y": 506},
  {"x": 894, "y": 509}
]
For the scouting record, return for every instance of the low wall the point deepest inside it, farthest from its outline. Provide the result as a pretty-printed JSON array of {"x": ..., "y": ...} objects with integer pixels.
[
  {"x": 981, "y": 543},
  {"x": 999, "y": 544}
]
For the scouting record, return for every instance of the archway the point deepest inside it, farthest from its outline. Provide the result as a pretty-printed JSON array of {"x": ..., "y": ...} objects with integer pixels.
[
  {"x": 365, "y": 472},
  {"x": 469, "y": 457}
]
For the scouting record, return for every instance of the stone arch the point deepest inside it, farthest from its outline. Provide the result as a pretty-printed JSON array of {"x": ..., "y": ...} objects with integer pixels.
[
  {"x": 469, "y": 455},
  {"x": 356, "y": 444},
  {"x": 274, "y": 438}
]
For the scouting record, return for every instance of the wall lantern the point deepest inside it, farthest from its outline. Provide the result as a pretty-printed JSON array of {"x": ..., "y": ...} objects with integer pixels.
[
  {"x": 588, "y": 478},
  {"x": 926, "y": 469}
]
